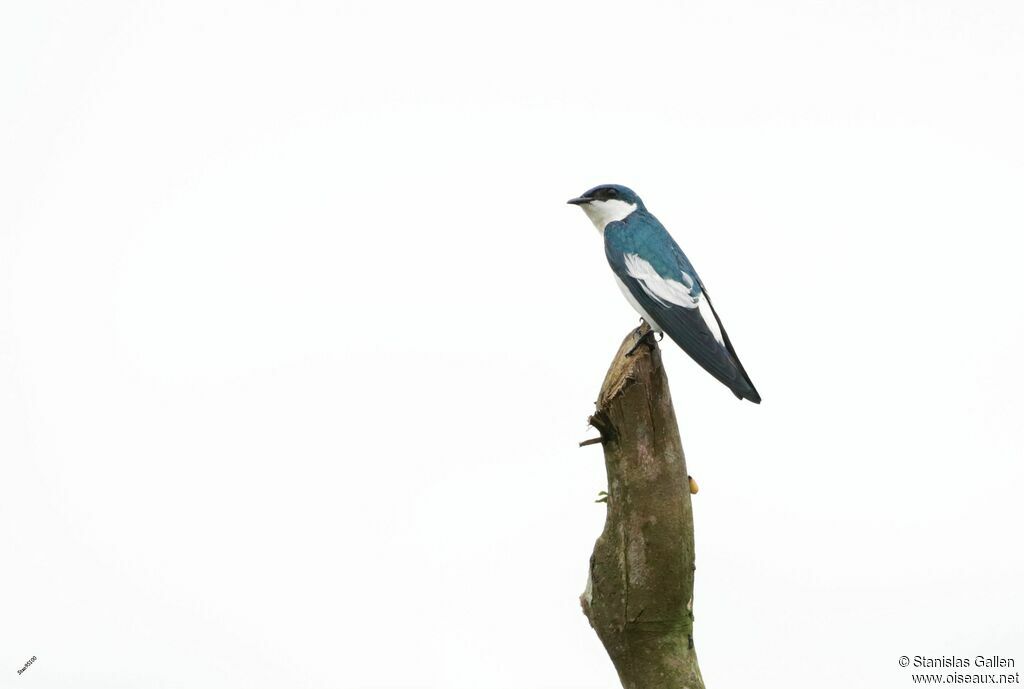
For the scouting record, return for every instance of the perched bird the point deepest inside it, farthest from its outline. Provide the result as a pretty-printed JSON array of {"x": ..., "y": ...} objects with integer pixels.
[{"x": 659, "y": 282}]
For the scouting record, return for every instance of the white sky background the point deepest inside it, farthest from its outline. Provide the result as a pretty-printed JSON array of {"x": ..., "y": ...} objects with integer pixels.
[{"x": 298, "y": 336}]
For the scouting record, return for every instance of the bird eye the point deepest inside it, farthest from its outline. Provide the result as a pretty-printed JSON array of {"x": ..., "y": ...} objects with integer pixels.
[{"x": 612, "y": 192}]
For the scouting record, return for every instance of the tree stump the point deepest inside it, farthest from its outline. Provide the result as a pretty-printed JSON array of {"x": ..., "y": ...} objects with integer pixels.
[{"x": 639, "y": 595}]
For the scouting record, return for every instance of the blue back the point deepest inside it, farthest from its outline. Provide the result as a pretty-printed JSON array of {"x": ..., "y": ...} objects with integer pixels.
[{"x": 642, "y": 234}]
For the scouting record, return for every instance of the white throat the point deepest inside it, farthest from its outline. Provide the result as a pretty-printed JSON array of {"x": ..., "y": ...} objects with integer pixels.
[{"x": 603, "y": 212}]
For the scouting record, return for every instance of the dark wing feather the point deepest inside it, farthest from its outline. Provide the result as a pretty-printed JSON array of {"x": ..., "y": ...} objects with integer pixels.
[
  {"x": 750, "y": 392},
  {"x": 686, "y": 327}
]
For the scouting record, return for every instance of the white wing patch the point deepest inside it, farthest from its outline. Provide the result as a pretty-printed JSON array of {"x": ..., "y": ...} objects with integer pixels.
[
  {"x": 672, "y": 292},
  {"x": 709, "y": 319},
  {"x": 661, "y": 290}
]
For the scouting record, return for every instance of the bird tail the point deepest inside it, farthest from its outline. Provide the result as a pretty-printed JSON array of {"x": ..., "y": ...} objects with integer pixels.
[
  {"x": 749, "y": 392},
  {"x": 743, "y": 387}
]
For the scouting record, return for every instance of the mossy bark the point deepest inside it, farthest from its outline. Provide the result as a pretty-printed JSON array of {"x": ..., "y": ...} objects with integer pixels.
[{"x": 639, "y": 596}]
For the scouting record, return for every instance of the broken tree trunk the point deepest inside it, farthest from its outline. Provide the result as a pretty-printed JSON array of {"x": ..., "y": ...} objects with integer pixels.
[{"x": 639, "y": 596}]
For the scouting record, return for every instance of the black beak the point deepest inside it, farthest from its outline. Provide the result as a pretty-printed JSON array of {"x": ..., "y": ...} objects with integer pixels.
[{"x": 579, "y": 200}]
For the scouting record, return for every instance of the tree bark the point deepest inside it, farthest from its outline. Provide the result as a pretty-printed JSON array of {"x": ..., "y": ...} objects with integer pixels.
[{"x": 639, "y": 595}]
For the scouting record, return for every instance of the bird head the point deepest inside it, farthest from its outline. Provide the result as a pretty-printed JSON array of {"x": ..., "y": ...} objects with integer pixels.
[{"x": 608, "y": 203}]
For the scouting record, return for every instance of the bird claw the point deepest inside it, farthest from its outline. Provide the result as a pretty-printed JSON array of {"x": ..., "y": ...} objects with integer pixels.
[
  {"x": 602, "y": 497},
  {"x": 649, "y": 338}
]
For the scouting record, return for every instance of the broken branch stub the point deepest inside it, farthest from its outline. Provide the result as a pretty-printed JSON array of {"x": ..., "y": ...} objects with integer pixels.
[{"x": 639, "y": 596}]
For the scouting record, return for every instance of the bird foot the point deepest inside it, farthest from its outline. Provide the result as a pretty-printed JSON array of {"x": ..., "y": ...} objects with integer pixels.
[
  {"x": 649, "y": 338},
  {"x": 602, "y": 497}
]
